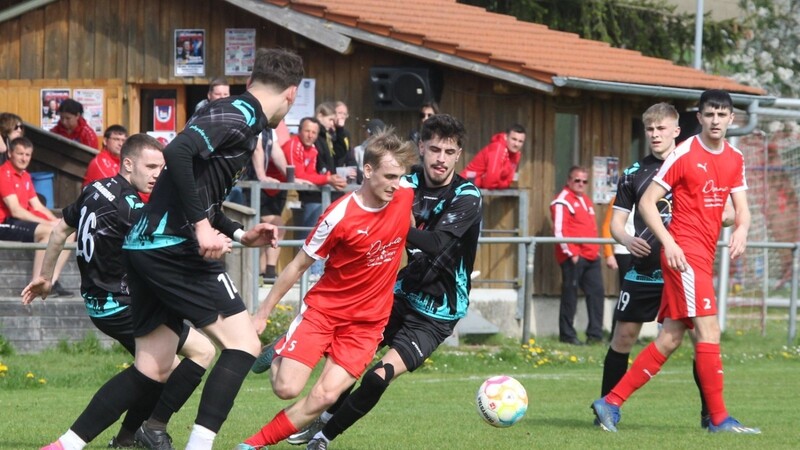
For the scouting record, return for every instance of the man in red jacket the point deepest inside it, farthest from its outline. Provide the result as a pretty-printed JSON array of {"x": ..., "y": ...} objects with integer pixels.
[
  {"x": 496, "y": 164},
  {"x": 573, "y": 216},
  {"x": 106, "y": 163}
]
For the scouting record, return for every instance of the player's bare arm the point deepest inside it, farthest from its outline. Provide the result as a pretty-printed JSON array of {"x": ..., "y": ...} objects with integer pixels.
[
  {"x": 636, "y": 245},
  {"x": 261, "y": 235},
  {"x": 287, "y": 278},
  {"x": 40, "y": 286},
  {"x": 728, "y": 214},
  {"x": 648, "y": 207},
  {"x": 738, "y": 241}
]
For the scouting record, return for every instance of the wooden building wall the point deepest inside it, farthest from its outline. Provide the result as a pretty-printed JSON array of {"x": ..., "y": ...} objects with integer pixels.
[{"x": 128, "y": 44}]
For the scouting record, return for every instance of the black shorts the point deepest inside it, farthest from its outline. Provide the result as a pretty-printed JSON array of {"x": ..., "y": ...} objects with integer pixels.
[
  {"x": 174, "y": 283},
  {"x": 120, "y": 327},
  {"x": 270, "y": 206},
  {"x": 413, "y": 335},
  {"x": 17, "y": 230},
  {"x": 639, "y": 297}
]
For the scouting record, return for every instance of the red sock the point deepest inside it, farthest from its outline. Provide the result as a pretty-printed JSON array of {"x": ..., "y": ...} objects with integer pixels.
[
  {"x": 709, "y": 370},
  {"x": 278, "y": 429},
  {"x": 644, "y": 367}
]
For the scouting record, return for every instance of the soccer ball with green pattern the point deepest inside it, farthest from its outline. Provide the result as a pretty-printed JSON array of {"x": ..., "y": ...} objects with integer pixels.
[{"x": 502, "y": 401}]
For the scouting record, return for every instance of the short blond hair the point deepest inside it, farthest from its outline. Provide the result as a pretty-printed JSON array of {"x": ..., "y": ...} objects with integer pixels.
[{"x": 659, "y": 112}]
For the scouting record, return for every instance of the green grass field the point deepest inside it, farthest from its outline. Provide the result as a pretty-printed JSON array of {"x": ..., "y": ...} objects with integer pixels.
[{"x": 434, "y": 408}]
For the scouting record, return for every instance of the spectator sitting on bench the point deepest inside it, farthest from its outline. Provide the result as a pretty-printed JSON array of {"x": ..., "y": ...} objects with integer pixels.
[{"x": 23, "y": 217}]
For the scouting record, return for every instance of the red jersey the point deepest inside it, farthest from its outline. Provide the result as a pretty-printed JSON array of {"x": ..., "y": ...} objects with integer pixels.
[
  {"x": 16, "y": 183},
  {"x": 363, "y": 247},
  {"x": 573, "y": 216},
  {"x": 494, "y": 165},
  {"x": 104, "y": 165},
  {"x": 304, "y": 160},
  {"x": 701, "y": 180}
]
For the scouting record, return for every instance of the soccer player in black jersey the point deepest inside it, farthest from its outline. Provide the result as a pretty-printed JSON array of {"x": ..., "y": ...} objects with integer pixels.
[
  {"x": 173, "y": 251},
  {"x": 102, "y": 216}
]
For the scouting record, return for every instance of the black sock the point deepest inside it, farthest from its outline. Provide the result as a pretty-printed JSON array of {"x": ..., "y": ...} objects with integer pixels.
[
  {"x": 359, "y": 402},
  {"x": 614, "y": 368},
  {"x": 115, "y": 397},
  {"x": 179, "y": 387},
  {"x": 221, "y": 387},
  {"x": 270, "y": 272},
  {"x": 703, "y": 406},
  {"x": 138, "y": 413}
]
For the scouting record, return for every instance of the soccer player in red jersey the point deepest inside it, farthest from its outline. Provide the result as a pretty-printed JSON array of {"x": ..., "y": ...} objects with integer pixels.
[
  {"x": 361, "y": 237},
  {"x": 702, "y": 173}
]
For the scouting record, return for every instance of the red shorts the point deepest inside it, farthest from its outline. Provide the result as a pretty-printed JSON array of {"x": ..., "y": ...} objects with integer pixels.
[
  {"x": 687, "y": 294},
  {"x": 312, "y": 334}
]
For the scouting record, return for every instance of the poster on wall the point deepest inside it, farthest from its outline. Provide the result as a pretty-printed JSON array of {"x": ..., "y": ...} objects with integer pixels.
[
  {"x": 92, "y": 101},
  {"x": 190, "y": 47},
  {"x": 240, "y": 51},
  {"x": 605, "y": 175},
  {"x": 164, "y": 117},
  {"x": 303, "y": 106},
  {"x": 50, "y": 100}
]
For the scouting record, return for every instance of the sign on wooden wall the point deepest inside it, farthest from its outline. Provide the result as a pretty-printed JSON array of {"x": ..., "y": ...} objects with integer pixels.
[{"x": 190, "y": 48}]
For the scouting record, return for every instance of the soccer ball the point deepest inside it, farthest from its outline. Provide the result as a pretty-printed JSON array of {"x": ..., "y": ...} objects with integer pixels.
[{"x": 502, "y": 401}]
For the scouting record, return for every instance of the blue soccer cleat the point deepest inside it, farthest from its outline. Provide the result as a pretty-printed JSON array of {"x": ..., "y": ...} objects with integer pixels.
[
  {"x": 244, "y": 446},
  {"x": 731, "y": 425},
  {"x": 264, "y": 360},
  {"x": 607, "y": 414}
]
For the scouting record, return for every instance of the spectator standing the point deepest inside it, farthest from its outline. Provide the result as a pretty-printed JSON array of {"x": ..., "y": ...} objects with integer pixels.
[
  {"x": 11, "y": 127},
  {"x": 23, "y": 217},
  {"x": 496, "y": 164},
  {"x": 217, "y": 89},
  {"x": 106, "y": 163},
  {"x": 573, "y": 216},
  {"x": 73, "y": 126},
  {"x": 342, "y": 142},
  {"x": 268, "y": 165}
]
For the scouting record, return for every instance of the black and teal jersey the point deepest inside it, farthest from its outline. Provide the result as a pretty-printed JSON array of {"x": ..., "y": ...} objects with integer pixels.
[
  {"x": 437, "y": 283},
  {"x": 202, "y": 164},
  {"x": 102, "y": 216},
  {"x": 634, "y": 181}
]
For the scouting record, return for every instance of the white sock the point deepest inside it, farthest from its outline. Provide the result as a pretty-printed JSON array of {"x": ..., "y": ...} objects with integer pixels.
[
  {"x": 321, "y": 436},
  {"x": 325, "y": 416},
  {"x": 201, "y": 438},
  {"x": 71, "y": 441}
]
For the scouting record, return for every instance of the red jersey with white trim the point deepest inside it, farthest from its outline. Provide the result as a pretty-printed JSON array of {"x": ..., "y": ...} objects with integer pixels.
[
  {"x": 363, "y": 247},
  {"x": 701, "y": 180}
]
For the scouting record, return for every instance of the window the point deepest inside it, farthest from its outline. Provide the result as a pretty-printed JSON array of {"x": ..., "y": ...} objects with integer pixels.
[{"x": 566, "y": 146}]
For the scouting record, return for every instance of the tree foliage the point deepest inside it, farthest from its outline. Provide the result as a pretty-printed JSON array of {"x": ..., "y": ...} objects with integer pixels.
[
  {"x": 768, "y": 53},
  {"x": 651, "y": 27}
]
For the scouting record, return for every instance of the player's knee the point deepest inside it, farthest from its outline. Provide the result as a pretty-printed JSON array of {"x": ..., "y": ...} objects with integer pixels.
[
  {"x": 202, "y": 353},
  {"x": 286, "y": 390},
  {"x": 376, "y": 380}
]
